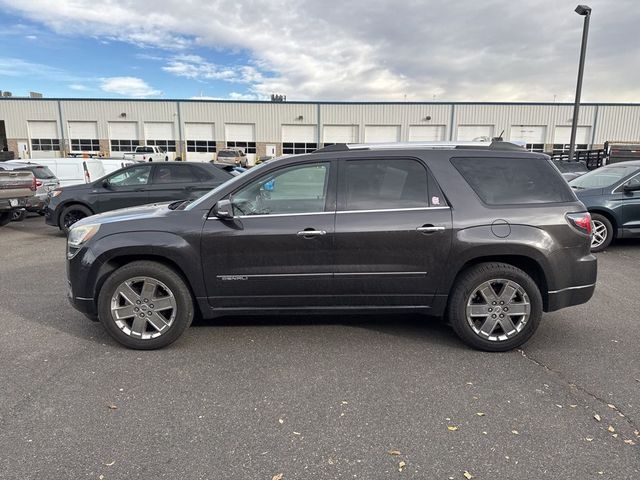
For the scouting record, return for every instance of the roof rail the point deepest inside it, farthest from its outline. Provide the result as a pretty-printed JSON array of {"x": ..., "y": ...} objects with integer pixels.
[{"x": 345, "y": 147}]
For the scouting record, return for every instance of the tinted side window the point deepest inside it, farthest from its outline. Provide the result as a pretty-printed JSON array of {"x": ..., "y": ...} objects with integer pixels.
[
  {"x": 384, "y": 184},
  {"x": 131, "y": 176},
  {"x": 174, "y": 174},
  {"x": 513, "y": 181},
  {"x": 202, "y": 174}
]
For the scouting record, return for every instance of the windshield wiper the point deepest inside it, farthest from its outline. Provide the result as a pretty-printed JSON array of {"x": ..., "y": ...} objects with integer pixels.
[{"x": 577, "y": 187}]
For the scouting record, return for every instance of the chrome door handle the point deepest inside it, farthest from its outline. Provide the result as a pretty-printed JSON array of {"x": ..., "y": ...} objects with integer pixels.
[
  {"x": 311, "y": 233},
  {"x": 430, "y": 229}
]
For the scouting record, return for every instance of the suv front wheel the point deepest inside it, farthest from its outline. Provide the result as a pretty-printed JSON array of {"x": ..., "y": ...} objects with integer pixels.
[
  {"x": 145, "y": 305},
  {"x": 495, "y": 307}
]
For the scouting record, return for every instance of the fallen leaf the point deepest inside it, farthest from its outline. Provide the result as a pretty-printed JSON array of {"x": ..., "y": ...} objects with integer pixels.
[
  {"x": 296, "y": 433},
  {"x": 589, "y": 439},
  {"x": 615, "y": 435},
  {"x": 331, "y": 462},
  {"x": 279, "y": 476},
  {"x": 281, "y": 421},
  {"x": 637, "y": 433},
  {"x": 573, "y": 406},
  {"x": 480, "y": 414},
  {"x": 345, "y": 403},
  {"x": 484, "y": 433},
  {"x": 515, "y": 432},
  {"x": 469, "y": 383},
  {"x": 629, "y": 442},
  {"x": 558, "y": 405},
  {"x": 101, "y": 477},
  {"x": 597, "y": 417},
  {"x": 611, "y": 405},
  {"x": 467, "y": 475},
  {"x": 110, "y": 464},
  {"x": 401, "y": 465},
  {"x": 452, "y": 428},
  {"x": 394, "y": 452},
  {"x": 113, "y": 407},
  {"x": 611, "y": 429}
]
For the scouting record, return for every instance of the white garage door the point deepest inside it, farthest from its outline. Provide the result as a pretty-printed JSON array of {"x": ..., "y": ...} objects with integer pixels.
[
  {"x": 161, "y": 134},
  {"x": 201, "y": 143},
  {"x": 83, "y": 137},
  {"x": 339, "y": 134},
  {"x": 243, "y": 136},
  {"x": 562, "y": 138},
  {"x": 381, "y": 133},
  {"x": 298, "y": 139},
  {"x": 532, "y": 135},
  {"x": 123, "y": 136},
  {"x": 467, "y": 133},
  {"x": 426, "y": 133},
  {"x": 43, "y": 137}
]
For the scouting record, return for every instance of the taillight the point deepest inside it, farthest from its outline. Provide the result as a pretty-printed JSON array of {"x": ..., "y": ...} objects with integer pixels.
[
  {"x": 34, "y": 184},
  {"x": 580, "y": 221},
  {"x": 38, "y": 183}
]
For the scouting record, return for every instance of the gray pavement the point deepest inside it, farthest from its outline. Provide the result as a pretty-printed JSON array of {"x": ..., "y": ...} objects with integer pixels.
[{"x": 312, "y": 397}]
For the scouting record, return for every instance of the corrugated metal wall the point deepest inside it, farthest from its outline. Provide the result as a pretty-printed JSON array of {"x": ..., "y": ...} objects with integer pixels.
[{"x": 612, "y": 122}]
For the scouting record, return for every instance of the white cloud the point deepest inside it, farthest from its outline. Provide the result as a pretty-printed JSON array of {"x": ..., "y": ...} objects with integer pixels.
[
  {"x": 128, "y": 87},
  {"x": 31, "y": 37},
  {"x": 242, "y": 96},
  {"x": 385, "y": 50},
  {"x": 79, "y": 87}
]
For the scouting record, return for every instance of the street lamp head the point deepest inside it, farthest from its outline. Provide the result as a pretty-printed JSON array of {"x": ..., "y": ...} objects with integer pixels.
[{"x": 583, "y": 10}]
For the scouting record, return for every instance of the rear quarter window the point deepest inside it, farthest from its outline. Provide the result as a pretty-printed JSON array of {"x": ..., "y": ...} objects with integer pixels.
[{"x": 514, "y": 181}]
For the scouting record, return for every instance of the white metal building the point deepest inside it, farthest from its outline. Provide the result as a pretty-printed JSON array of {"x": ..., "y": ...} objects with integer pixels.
[{"x": 197, "y": 129}]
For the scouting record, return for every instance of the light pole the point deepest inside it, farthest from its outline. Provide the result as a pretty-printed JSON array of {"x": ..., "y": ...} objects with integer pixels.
[{"x": 585, "y": 11}]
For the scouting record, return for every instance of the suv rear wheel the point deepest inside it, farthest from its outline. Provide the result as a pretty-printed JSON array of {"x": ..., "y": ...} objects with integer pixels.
[
  {"x": 495, "y": 307},
  {"x": 145, "y": 305}
]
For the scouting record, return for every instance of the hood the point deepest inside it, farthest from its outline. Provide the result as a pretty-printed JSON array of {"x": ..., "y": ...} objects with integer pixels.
[
  {"x": 132, "y": 213},
  {"x": 588, "y": 192}
]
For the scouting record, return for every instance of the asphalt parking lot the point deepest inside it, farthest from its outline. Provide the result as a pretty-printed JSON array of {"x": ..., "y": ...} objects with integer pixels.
[{"x": 318, "y": 397}]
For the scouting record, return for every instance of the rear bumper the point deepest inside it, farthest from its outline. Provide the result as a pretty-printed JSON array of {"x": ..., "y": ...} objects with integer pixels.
[{"x": 570, "y": 296}]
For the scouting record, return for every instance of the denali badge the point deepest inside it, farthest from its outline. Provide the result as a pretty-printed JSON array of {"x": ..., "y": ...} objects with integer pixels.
[{"x": 233, "y": 277}]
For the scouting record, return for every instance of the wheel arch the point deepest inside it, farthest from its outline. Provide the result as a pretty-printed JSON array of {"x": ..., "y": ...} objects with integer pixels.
[
  {"x": 525, "y": 263},
  {"x": 111, "y": 265},
  {"x": 61, "y": 208},
  {"x": 609, "y": 216}
]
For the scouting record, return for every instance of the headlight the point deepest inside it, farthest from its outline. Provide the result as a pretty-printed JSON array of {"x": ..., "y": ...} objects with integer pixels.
[
  {"x": 82, "y": 234},
  {"x": 55, "y": 193}
]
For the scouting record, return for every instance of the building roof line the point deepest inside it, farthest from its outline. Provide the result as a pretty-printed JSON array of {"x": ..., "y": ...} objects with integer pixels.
[{"x": 298, "y": 102}]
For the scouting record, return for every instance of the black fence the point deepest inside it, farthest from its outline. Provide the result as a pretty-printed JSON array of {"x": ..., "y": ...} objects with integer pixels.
[{"x": 591, "y": 158}]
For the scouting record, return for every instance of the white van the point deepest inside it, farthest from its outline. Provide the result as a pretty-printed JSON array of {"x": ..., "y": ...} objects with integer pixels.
[
  {"x": 113, "y": 164},
  {"x": 72, "y": 171}
]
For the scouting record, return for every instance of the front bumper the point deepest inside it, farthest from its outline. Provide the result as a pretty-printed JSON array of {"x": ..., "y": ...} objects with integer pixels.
[{"x": 85, "y": 306}]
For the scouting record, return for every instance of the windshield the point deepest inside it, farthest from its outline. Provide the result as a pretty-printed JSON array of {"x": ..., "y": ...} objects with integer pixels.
[
  {"x": 235, "y": 180},
  {"x": 603, "y": 177}
]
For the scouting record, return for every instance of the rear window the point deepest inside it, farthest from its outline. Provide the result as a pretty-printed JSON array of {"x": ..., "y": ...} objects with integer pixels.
[
  {"x": 228, "y": 153},
  {"x": 41, "y": 173},
  {"x": 514, "y": 181}
]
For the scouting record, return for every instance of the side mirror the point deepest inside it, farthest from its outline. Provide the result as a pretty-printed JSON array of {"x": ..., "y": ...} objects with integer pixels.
[
  {"x": 106, "y": 184},
  {"x": 223, "y": 209},
  {"x": 631, "y": 188}
]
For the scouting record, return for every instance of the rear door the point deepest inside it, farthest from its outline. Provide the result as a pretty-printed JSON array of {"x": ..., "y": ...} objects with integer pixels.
[
  {"x": 392, "y": 234},
  {"x": 125, "y": 188},
  {"x": 174, "y": 181}
]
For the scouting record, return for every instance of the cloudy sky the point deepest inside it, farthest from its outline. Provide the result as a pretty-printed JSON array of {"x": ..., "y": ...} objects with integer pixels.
[{"x": 463, "y": 50}]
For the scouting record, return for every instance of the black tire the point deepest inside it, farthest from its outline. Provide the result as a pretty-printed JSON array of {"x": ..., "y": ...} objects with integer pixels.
[
  {"x": 5, "y": 218},
  {"x": 71, "y": 215},
  {"x": 18, "y": 215},
  {"x": 465, "y": 286},
  {"x": 601, "y": 220},
  {"x": 158, "y": 272}
]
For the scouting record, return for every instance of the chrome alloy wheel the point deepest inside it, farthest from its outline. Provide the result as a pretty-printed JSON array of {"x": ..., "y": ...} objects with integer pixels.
[
  {"x": 143, "y": 307},
  {"x": 498, "y": 310},
  {"x": 600, "y": 233}
]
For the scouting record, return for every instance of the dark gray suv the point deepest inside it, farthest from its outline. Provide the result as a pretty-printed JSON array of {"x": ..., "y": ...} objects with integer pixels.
[{"x": 488, "y": 236}]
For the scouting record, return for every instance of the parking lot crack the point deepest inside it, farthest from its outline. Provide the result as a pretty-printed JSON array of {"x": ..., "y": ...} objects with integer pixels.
[{"x": 605, "y": 403}]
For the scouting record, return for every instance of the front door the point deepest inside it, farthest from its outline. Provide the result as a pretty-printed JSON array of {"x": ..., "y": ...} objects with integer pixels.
[
  {"x": 125, "y": 188},
  {"x": 631, "y": 208},
  {"x": 277, "y": 252},
  {"x": 393, "y": 234}
]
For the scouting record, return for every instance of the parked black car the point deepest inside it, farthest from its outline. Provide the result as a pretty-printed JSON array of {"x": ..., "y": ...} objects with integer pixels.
[
  {"x": 612, "y": 195},
  {"x": 130, "y": 186},
  {"x": 490, "y": 237}
]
